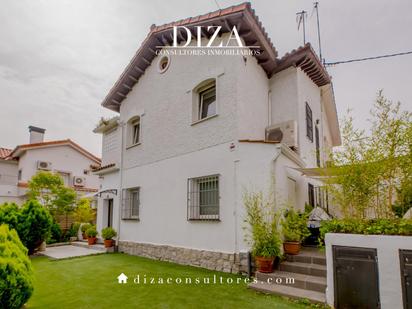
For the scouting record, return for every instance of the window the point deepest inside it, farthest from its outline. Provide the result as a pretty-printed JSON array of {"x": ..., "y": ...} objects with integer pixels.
[
  {"x": 19, "y": 175},
  {"x": 317, "y": 144},
  {"x": 131, "y": 204},
  {"x": 66, "y": 177},
  {"x": 203, "y": 198},
  {"x": 134, "y": 131},
  {"x": 311, "y": 194},
  {"x": 163, "y": 64},
  {"x": 204, "y": 100},
  {"x": 309, "y": 122}
]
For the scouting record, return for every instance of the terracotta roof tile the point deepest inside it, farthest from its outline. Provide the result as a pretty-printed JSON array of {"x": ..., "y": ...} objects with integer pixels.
[{"x": 5, "y": 152}]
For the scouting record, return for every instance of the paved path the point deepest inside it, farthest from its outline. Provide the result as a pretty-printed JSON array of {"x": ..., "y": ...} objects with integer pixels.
[{"x": 68, "y": 251}]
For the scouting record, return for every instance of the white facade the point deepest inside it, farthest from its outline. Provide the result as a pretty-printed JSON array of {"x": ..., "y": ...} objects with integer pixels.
[
  {"x": 64, "y": 157},
  {"x": 173, "y": 149},
  {"x": 388, "y": 263}
]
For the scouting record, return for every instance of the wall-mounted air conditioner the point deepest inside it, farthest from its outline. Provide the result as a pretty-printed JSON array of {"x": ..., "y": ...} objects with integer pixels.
[
  {"x": 284, "y": 132},
  {"x": 43, "y": 165},
  {"x": 79, "y": 181}
]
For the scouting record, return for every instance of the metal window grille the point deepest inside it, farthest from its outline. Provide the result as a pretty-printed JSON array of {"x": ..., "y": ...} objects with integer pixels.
[
  {"x": 309, "y": 122},
  {"x": 321, "y": 197},
  {"x": 203, "y": 198},
  {"x": 131, "y": 204}
]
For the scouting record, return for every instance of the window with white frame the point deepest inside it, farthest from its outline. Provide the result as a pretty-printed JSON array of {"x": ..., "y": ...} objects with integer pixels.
[
  {"x": 205, "y": 100},
  {"x": 203, "y": 198},
  {"x": 134, "y": 131},
  {"x": 309, "y": 122},
  {"x": 131, "y": 204}
]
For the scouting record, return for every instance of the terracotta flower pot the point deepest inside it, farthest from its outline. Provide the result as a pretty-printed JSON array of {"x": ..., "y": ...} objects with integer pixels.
[
  {"x": 265, "y": 265},
  {"x": 84, "y": 236},
  {"x": 91, "y": 240},
  {"x": 108, "y": 243},
  {"x": 291, "y": 247}
]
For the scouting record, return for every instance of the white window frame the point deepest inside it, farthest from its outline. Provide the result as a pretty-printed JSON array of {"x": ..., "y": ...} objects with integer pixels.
[
  {"x": 131, "y": 130},
  {"x": 197, "y": 100},
  {"x": 130, "y": 211}
]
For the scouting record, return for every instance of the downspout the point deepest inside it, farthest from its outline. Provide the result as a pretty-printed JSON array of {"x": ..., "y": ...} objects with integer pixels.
[{"x": 119, "y": 216}]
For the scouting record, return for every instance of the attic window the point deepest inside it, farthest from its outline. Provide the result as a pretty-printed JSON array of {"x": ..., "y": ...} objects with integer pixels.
[{"x": 163, "y": 64}]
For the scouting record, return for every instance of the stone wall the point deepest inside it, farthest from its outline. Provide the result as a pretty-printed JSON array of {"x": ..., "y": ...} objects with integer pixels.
[{"x": 227, "y": 262}]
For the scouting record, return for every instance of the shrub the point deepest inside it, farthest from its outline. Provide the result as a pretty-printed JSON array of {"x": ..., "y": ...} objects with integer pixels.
[
  {"x": 10, "y": 215},
  {"x": 72, "y": 231},
  {"x": 366, "y": 227},
  {"x": 108, "y": 233},
  {"x": 262, "y": 226},
  {"x": 91, "y": 232},
  {"x": 55, "y": 233},
  {"x": 85, "y": 227},
  {"x": 84, "y": 212},
  {"x": 33, "y": 222},
  {"x": 34, "y": 226},
  {"x": 294, "y": 226},
  {"x": 16, "y": 275}
]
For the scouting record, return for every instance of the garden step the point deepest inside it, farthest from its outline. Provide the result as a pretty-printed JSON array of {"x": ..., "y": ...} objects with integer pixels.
[
  {"x": 99, "y": 247},
  {"x": 301, "y": 281},
  {"x": 308, "y": 256},
  {"x": 303, "y": 268},
  {"x": 288, "y": 291}
]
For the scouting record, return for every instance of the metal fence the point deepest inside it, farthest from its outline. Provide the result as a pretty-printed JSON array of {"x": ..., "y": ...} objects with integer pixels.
[{"x": 203, "y": 198}]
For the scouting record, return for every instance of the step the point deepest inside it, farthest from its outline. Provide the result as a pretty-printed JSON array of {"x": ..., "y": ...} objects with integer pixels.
[
  {"x": 301, "y": 281},
  {"x": 304, "y": 257},
  {"x": 303, "y": 268},
  {"x": 288, "y": 291},
  {"x": 98, "y": 247}
]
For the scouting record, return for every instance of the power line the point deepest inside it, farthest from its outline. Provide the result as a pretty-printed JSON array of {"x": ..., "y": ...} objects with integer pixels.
[
  {"x": 218, "y": 6},
  {"x": 368, "y": 58}
]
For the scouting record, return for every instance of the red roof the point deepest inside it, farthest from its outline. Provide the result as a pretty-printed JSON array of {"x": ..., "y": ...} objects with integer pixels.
[
  {"x": 4, "y": 153},
  {"x": 24, "y": 147}
]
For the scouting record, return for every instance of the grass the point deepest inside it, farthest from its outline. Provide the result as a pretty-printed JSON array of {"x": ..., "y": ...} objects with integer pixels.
[{"x": 90, "y": 282}]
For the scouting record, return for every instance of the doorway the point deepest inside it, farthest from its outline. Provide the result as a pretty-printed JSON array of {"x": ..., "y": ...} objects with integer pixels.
[{"x": 109, "y": 212}]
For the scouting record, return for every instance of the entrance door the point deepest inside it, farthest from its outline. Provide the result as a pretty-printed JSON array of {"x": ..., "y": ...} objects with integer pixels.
[
  {"x": 110, "y": 212},
  {"x": 406, "y": 277}
]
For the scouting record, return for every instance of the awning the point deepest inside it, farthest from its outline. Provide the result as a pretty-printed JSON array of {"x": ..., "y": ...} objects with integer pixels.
[{"x": 319, "y": 173}]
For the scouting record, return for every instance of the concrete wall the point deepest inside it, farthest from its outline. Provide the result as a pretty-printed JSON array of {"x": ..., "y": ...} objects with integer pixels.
[
  {"x": 388, "y": 263},
  {"x": 111, "y": 146}
]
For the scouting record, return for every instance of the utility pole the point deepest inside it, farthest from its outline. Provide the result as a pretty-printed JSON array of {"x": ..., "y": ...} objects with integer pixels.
[
  {"x": 316, "y": 7},
  {"x": 300, "y": 19}
]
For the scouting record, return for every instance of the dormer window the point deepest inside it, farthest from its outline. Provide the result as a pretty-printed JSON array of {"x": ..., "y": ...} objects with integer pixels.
[
  {"x": 134, "y": 131},
  {"x": 204, "y": 100}
]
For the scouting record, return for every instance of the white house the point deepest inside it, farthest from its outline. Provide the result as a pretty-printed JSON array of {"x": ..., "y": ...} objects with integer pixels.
[
  {"x": 65, "y": 157},
  {"x": 194, "y": 132}
]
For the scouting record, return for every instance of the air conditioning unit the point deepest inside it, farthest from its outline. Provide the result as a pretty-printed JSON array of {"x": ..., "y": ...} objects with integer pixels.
[
  {"x": 43, "y": 165},
  {"x": 79, "y": 181},
  {"x": 284, "y": 132}
]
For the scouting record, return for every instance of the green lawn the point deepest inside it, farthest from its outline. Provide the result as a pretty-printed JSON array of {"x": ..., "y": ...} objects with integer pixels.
[{"x": 90, "y": 282}]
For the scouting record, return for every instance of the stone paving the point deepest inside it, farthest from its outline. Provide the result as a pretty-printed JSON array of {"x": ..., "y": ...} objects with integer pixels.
[{"x": 68, "y": 251}]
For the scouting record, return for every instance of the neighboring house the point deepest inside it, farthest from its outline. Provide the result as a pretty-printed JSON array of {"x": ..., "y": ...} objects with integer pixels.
[
  {"x": 194, "y": 132},
  {"x": 65, "y": 157}
]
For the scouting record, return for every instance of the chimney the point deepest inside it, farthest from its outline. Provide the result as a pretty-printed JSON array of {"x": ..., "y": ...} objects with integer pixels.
[{"x": 36, "y": 134}]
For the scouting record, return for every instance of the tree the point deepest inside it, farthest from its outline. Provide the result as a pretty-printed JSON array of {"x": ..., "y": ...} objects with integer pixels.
[
  {"x": 83, "y": 212},
  {"x": 372, "y": 170},
  {"x": 49, "y": 189}
]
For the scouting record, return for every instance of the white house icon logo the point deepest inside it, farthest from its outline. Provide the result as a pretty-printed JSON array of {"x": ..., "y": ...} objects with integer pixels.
[{"x": 122, "y": 278}]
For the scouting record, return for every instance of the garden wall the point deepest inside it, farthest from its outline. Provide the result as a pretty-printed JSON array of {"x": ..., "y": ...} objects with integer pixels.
[
  {"x": 220, "y": 261},
  {"x": 388, "y": 262}
]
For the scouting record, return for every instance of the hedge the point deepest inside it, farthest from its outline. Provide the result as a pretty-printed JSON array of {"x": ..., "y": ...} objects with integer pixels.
[{"x": 16, "y": 275}]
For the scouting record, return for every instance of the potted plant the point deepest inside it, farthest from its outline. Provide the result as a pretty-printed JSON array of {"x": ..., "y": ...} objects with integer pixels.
[
  {"x": 91, "y": 234},
  {"x": 263, "y": 230},
  {"x": 84, "y": 228},
  {"x": 295, "y": 230},
  {"x": 108, "y": 233}
]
